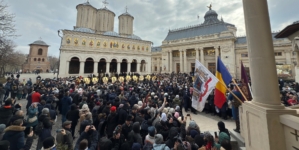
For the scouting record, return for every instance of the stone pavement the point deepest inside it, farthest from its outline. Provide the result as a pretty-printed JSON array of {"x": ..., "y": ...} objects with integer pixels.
[{"x": 206, "y": 122}]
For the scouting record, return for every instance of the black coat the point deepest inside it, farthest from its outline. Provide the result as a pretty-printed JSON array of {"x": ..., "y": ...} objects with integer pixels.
[
  {"x": 15, "y": 134},
  {"x": 112, "y": 120},
  {"x": 6, "y": 113},
  {"x": 122, "y": 115}
]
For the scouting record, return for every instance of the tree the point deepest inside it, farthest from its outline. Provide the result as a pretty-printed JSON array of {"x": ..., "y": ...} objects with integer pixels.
[
  {"x": 6, "y": 55},
  {"x": 53, "y": 62},
  {"x": 7, "y": 26}
]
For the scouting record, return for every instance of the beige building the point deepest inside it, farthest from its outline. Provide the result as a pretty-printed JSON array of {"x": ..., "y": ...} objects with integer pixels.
[
  {"x": 93, "y": 46},
  {"x": 205, "y": 42},
  {"x": 37, "y": 58}
]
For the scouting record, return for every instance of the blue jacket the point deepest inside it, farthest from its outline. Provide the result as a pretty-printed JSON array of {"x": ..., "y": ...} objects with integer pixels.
[
  {"x": 66, "y": 103},
  {"x": 15, "y": 135}
]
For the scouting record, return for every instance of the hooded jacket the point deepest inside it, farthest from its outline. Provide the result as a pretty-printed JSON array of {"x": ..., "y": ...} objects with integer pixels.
[
  {"x": 15, "y": 134},
  {"x": 6, "y": 112},
  {"x": 134, "y": 135}
]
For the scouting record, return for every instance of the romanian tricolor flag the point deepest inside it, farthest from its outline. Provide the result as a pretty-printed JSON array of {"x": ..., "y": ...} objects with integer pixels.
[{"x": 223, "y": 76}]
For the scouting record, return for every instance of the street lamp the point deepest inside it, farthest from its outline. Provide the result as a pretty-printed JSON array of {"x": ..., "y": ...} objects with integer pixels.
[{"x": 60, "y": 34}]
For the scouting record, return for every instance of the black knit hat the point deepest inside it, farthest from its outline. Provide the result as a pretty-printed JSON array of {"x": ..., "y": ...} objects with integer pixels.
[{"x": 48, "y": 142}]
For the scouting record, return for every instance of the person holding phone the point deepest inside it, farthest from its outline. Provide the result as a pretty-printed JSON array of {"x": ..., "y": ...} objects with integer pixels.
[{"x": 64, "y": 136}]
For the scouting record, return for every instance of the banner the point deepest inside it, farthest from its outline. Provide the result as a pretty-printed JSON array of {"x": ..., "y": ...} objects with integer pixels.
[
  {"x": 245, "y": 83},
  {"x": 204, "y": 83}
]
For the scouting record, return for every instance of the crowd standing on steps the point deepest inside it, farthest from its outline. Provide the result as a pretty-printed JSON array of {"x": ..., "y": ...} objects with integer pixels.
[{"x": 129, "y": 115}]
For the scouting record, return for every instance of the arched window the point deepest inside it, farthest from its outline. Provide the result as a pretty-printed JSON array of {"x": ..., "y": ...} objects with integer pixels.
[
  {"x": 43, "y": 60},
  {"x": 40, "y": 51},
  {"x": 34, "y": 59},
  {"x": 38, "y": 59}
]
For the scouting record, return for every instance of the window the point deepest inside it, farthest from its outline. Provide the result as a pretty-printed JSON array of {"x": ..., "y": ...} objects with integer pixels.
[
  {"x": 38, "y": 59},
  {"x": 34, "y": 59},
  {"x": 40, "y": 51},
  {"x": 278, "y": 53},
  {"x": 43, "y": 60},
  {"x": 155, "y": 58},
  {"x": 244, "y": 55},
  {"x": 156, "y": 68}
]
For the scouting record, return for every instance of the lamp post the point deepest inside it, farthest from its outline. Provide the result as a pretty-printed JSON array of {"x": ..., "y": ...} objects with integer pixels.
[{"x": 60, "y": 34}]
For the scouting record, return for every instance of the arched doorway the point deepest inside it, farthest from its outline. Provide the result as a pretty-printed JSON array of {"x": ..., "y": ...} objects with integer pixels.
[
  {"x": 134, "y": 65},
  {"x": 124, "y": 66},
  {"x": 89, "y": 64},
  {"x": 74, "y": 67},
  {"x": 142, "y": 66},
  {"x": 102, "y": 66},
  {"x": 113, "y": 65}
]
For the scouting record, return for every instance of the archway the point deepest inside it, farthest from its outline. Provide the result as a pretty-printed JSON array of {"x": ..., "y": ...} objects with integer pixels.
[
  {"x": 142, "y": 66},
  {"x": 123, "y": 66},
  {"x": 134, "y": 65},
  {"x": 74, "y": 66},
  {"x": 102, "y": 66},
  {"x": 89, "y": 64},
  {"x": 113, "y": 65}
]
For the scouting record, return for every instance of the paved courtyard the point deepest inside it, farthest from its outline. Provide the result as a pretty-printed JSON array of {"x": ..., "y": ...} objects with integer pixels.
[{"x": 205, "y": 121}]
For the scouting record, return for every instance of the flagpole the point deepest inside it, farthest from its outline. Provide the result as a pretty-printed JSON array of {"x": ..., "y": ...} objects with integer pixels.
[
  {"x": 231, "y": 92},
  {"x": 239, "y": 89}
]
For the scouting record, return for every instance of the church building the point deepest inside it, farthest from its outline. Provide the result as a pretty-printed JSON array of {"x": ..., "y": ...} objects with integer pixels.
[
  {"x": 94, "y": 47},
  {"x": 208, "y": 40},
  {"x": 37, "y": 59}
]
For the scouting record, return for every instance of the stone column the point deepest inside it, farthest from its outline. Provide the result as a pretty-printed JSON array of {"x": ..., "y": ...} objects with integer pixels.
[
  {"x": 67, "y": 67},
  {"x": 196, "y": 54},
  {"x": 128, "y": 67},
  {"x": 181, "y": 61},
  {"x": 81, "y": 73},
  {"x": 170, "y": 61},
  {"x": 260, "y": 117},
  {"x": 118, "y": 67},
  {"x": 138, "y": 67},
  {"x": 288, "y": 54},
  {"x": 202, "y": 59},
  {"x": 185, "y": 61},
  {"x": 107, "y": 67},
  {"x": 95, "y": 68},
  {"x": 148, "y": 68}
]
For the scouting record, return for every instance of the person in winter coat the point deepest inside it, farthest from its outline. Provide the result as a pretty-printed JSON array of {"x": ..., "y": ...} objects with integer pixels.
[
  {"x": 66, "y": 105},
  {"x": 223, "y": 135},
  {"x": 122, "y": 114},
  {"x": 20, "y": 91},
  {"x": 88, "y": 139},
  {"x": 47, "y": 127},
  {"x": 29, "y": 100},
  {"x": 32, "y": 119},
  {"x": 6, "y": 112},
  {"x": 150, "y": 138},
  {"x": 64, "y": 138},
  {"x": 176, "y": 101},
  {"x": 73, "y": 115},
  {"x": 134, "y": 135},
  {"x": 173, "y": 132},
  {"x": 14, "y": 91},
  {"x": 127, "y": 127},
  {"x": 16, "y": 136},
  {"x": 112, "y": 120},
  {"x": 158, "y": 145},
  {"x": 86, "y": 122}
]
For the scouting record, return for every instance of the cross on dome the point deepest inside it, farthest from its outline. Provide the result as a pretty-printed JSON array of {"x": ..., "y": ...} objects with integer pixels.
[
  {"x": 105, "y": 3},
  {"x": 40, "y": 38},
  {"x": 126, "y": 9},
  {"x": 210, "y": 7}
]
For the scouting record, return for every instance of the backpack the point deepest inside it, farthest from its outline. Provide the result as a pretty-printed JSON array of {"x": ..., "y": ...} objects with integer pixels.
[{"x": 39, "y": 128}]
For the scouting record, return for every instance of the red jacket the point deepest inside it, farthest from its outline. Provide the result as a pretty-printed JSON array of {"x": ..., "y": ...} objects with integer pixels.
[{"x": 36, "y": 97}]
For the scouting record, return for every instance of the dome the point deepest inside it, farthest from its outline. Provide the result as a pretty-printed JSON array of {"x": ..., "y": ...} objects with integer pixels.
[
  {"x": 39, "y": 42},
  {"x": 105, "y": 8},
  {"x": 135, "y": 37},
  {"x": 86, "y": 30},
  {"x": 126, "y": 14},
  {"x": 211, "y": 13},
  {"x": 111, "y": 33},
  {"x": 85, "y": 4}
]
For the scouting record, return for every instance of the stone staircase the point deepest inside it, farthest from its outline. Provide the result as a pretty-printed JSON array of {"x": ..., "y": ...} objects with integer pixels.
[{"x": 237, "y": 142}]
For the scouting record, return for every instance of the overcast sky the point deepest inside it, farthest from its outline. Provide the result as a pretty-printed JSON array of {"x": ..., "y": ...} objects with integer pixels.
[{"x": 153, "y": 18}]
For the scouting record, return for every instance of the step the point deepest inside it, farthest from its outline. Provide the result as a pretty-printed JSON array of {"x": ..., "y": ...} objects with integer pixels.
[{"x": 238, "y": 138}]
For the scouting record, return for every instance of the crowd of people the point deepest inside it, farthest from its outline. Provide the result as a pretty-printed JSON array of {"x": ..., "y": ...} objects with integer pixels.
[{"x": 130, "y": 115}]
